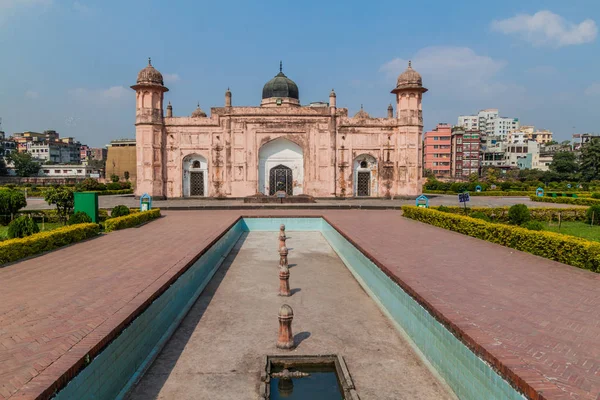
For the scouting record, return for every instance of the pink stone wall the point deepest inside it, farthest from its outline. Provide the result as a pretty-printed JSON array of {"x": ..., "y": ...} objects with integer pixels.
[{"x": 231, "y": 138}]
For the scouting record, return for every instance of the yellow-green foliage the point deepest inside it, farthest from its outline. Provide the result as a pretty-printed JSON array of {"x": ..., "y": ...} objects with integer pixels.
[
  {"x": 500, "y": 214},
  {"x": 586, "y": 201},
  {"x": 131, "y": 220},
  {"x": 15, "y": 249},
  {"x": 566, "y": 249}
]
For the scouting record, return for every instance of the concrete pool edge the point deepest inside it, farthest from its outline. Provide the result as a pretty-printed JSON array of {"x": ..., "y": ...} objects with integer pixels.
[{"x": 241, "y": 223}]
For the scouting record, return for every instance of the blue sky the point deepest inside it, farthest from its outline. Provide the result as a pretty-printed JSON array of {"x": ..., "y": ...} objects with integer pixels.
[{"x": 67, "y": 65}]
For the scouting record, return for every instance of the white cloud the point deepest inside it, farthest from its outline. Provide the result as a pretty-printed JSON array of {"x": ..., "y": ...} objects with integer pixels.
[
  {"x": 31, "y": 94},
  {"x": 545, "y": 28},
  {"x": 593, "y": 90},
  {"x": 110, "y": 95},
  {"x": 171, "y": 78},
  {"x": 457, "y": 69},
  {"x": 82, "y": 8}
]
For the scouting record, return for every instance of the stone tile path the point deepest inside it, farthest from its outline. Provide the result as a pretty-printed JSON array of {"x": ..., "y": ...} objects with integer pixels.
[
  {"x": 435, "y": 200},
  {"x": 537, "y": 317}
]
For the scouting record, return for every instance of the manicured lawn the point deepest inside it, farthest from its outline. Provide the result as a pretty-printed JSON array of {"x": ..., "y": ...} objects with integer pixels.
[
  {"x": 580, "y": 229},
  {"x": 48, "y": 226}
]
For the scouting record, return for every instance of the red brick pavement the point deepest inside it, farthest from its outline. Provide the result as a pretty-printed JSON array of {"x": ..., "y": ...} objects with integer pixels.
[{"x": 536, "y": 320}]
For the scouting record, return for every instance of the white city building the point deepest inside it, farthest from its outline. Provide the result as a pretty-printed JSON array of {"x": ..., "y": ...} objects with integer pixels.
[
  {"x": 489, "y": 122},
  {"x": 69, "y": 171}
]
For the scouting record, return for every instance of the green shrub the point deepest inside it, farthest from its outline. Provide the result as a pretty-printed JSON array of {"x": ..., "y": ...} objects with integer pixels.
[
  {"x": 500, "y": 214},
  {"x": 443, "y": 209},
  {"x": 593, "y": 213},
  {"x": 119, "y": 211},
  {"x": 570, "y": 250},
  {"x": 595, "y": 195},
  {"x": 113, "y": 186},
  {"x": 113, "y": 192},
  {"x": 90, "y": 185},
  {"x": 79, "y": 218},
  {"x": 518, "y": 214},
  {"x": 586, "y": 201},
  {"x": 114, "y": 178},
  {"x": 21, "y": 227},
  {"x": 505, "y": 186},
  {"x": 480, "y": 215},
  {"x": 533, "y": 226},
  {"x": 11, "y": 201},
  {"x": 131, "y": 220},
  {"x": 15, "y": 249}
]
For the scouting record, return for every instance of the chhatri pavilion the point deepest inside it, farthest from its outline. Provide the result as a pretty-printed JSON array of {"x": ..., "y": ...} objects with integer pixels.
[{"x": 280, "y": 145}]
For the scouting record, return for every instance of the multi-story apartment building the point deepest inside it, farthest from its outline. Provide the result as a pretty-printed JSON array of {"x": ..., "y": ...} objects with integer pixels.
[
  {"x": 68, "y": 171},
  {"x": 528, "y": 132},
  {"x": 488, "y": 122},
  {"x": 465, "y": 153},
  {"x": 121, "y": 158},
  {"x": 98, "y": 153},
  {"x": 437, "y": 152},
  {"x": 48, "y": 146},
  {"x": 7, "y": 146},
  {"x": 580, "y": 139}
]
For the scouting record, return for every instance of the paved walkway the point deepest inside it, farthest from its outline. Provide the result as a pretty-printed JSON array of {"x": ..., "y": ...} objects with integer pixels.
[
  {"x": 222, "y": 341},
  {"x": 537, "y": 318},
  {"x": 435, "y": 200}
]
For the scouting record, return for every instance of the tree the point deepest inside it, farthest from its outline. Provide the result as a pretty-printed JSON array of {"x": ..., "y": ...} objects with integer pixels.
[
  {"x": 11, "y": 201},
  {"x": 3, "y": 170},
  {"x": 590, "y": 160},
  {"x": 564, "y": 162},
  {"x": 114, "y": 178},
  {"x": 126, "y": 175},
  {"x": 64, "y": 200},
  {"x": 24, "y": 164}
]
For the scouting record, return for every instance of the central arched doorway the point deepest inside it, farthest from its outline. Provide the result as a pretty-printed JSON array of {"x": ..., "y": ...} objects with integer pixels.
[
  {"x": 195, "y": 176},
  {"x": 365, "y": 173},
  {"x": 281, "y": 179},
  {"x": 280, "y": 167}
]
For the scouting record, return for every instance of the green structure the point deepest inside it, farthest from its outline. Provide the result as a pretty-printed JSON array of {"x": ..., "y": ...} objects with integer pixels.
[{"x": 88, "y": 203}]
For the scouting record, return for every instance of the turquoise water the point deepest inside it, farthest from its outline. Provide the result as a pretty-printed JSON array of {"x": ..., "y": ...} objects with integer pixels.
[{"x": 317, "y": 386}]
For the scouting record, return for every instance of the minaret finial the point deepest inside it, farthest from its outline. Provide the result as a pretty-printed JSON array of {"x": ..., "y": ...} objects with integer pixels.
[
  {"x": 409, "y": 64},
  {"x": 280, "y": 66},
  {"x": 361, "y": 107},
  {"x": 149, "y": 62},
  {"x": 198, "y": 104}
]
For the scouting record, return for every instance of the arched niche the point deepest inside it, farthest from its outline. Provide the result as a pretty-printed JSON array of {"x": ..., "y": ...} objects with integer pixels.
[
  {"x": 275, "y": 158},
  {"x": 365, "y": 176},
  {"x": 195, "y": 176}
]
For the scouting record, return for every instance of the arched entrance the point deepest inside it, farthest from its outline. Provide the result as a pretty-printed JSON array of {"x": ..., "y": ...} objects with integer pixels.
[
  {"x": 281, "y": 179},
  {"x": 195, "y": 176},
  {"x": 365, "y": 173},
  {"x": 280, "y": 167}
]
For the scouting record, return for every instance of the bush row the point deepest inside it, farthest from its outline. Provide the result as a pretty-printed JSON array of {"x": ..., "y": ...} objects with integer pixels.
[
  {"x": 500, "y": 214},
  {"x": 15, "y": 249},
  {"x": 131, "y": 220},
  {"x": 566, "y": 249},
  {"x": 113, "y": 192},
  {"x": 567, "y": 200},
  {"x": 489, "y": 193}
]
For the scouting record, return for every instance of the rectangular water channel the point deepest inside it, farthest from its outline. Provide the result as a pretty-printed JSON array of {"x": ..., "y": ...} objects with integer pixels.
[{"x": 343, "y": 304}]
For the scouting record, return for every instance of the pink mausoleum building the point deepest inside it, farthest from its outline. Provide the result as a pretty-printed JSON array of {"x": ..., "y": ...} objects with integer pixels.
[{"x": 280, "y": 145}]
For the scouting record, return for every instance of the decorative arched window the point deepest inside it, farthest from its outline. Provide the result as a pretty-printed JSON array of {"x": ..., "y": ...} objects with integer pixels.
[
  {"x": 363, "y": 164},
  {"x": 196, "y": 164}
]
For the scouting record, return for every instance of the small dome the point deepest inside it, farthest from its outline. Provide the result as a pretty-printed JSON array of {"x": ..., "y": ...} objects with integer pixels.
[
  {"x": 198, "y": 113},
  {"x": 286, "y": 311},
  {"x": 390, "y": 107},
  {"x": 362, "y": 114},
  {"x": 228, "y": 92},
  {"x": 280, "y": 86},
  {"x": 332, "y": 94},
  {"x": 409, "y": 78},
  {"x": 150, "y": 75}
]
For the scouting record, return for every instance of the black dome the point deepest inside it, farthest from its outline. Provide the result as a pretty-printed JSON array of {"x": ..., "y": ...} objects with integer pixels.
[{"x": 280, "y": 86}]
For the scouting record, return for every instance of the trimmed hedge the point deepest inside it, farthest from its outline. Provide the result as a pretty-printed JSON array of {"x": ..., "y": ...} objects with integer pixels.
[
  {"x": 500, "y": 214},
  {"x": 114, "y": 192},
  {"x": 494, "y": 193},
  {"x": 566, "y": 249},
  {"x": 131, "y": 220},
  {"x": 15, "y": 249},
  {"x": 587, "y": 201}
]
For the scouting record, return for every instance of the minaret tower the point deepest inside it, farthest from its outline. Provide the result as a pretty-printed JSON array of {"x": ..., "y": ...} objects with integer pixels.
[
  {"x": 409, "y": 93},
  {"x": 150, "y": 132}
]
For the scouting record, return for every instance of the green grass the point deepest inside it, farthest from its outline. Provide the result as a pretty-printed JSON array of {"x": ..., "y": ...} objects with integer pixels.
[
  {"x": 579, "y": 229},
  {"x": 48, "y": 226}
]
